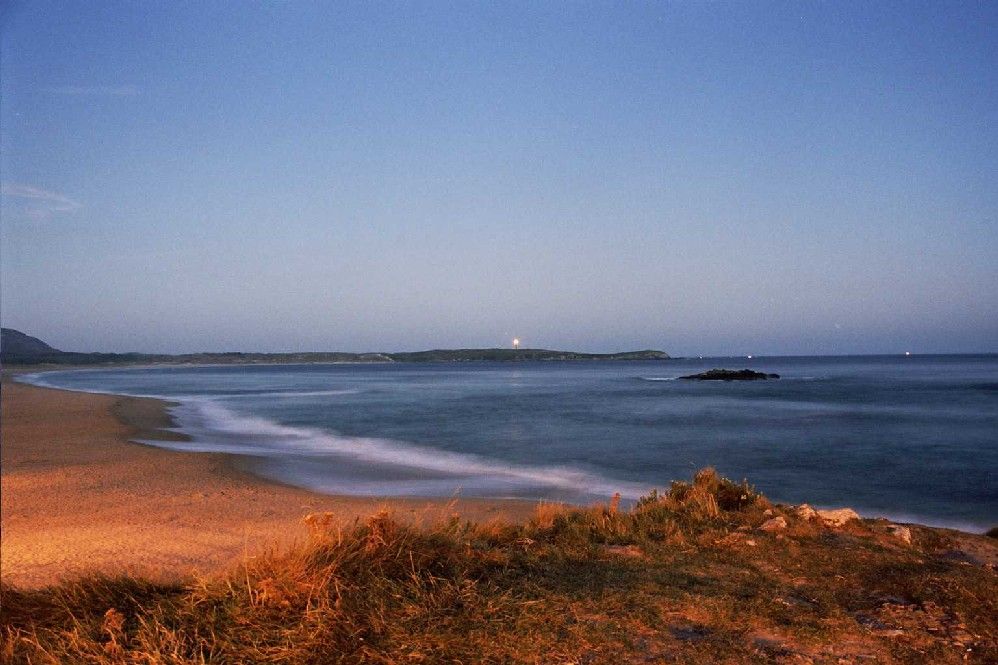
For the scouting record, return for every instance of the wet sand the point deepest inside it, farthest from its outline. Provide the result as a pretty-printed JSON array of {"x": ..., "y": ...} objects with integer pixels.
[{"x": 77, "y": 496}]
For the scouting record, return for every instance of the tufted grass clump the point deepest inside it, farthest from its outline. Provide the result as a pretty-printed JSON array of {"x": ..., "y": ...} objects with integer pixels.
[{"x": 708, "y": 498}]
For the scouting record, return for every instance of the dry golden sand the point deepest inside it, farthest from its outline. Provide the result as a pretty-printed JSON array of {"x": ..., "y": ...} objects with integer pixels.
[{"x": 77, "y": 495}]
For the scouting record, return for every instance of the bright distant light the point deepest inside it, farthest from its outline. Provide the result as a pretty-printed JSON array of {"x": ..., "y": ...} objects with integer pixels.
[
  {"x": 907, "y": 353},
  {"x": 516, "y": 343},
  {"x": 749, "y": 357}
]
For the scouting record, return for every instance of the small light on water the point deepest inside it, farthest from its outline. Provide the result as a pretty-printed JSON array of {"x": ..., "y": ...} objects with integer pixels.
[{"x": 907, "y": 353}]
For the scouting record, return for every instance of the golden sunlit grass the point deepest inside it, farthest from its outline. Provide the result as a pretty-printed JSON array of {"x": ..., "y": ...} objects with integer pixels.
[{"x": 683, "y": 576}]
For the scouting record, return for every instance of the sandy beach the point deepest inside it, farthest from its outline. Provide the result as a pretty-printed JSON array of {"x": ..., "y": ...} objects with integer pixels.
[{"x": 78, "y": 496}]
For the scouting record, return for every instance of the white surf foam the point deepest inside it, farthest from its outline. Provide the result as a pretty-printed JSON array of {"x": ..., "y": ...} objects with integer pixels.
[
  {"x": 214, "y": 427},
  {"x": 914, "y": 518}
]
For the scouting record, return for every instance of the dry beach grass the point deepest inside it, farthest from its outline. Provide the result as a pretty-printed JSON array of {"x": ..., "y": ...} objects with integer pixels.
[{"x": 684, "y": 577}]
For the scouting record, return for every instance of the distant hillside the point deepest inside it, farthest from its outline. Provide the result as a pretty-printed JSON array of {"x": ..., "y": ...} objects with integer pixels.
[
  {"x": 15, "y": 342},
  {"x": 16, "y": 348}
]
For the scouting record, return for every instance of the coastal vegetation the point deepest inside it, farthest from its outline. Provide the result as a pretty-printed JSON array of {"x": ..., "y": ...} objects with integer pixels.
[
  {"x": 17, "y": 348},
  {"x": 707, "y": 571}
]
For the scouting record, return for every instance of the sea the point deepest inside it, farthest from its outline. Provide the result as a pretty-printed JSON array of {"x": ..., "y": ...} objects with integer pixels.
[{"x": 910, "y": 438}]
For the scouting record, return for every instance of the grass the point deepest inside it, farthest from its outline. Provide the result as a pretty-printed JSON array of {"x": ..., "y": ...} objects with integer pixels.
[{"x": 684, "y": 576}]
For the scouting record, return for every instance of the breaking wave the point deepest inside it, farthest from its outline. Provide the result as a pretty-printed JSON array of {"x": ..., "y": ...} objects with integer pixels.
[{"x": 330, "y": 462}]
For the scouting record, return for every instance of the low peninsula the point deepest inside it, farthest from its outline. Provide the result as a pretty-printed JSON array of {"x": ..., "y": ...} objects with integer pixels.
[{"x": 19, "y": 349}]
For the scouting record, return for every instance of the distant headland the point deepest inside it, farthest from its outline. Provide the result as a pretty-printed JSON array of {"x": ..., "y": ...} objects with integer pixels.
[{"x": 17, "y": 348}]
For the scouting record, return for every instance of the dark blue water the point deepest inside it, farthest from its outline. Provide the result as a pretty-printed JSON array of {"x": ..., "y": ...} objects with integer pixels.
[{"x": 906, "y": 437}]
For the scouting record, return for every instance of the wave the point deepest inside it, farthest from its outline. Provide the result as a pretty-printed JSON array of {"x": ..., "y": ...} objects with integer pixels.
[
  {"x": 285, "y": 393},
  {"x": 329, "y": 461},
  {"x": 39, "y": 379},
  {"x": 375, "y": 465},
  {"x": 924, "y": 520},
  {"x": 658, "y": 378}
]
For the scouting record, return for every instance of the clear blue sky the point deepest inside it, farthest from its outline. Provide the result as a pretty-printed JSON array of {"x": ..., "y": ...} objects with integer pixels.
[{"x": 703, "y": 178}]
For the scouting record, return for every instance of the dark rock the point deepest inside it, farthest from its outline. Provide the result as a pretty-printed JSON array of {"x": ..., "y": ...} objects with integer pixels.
[{"x": 730, "y": 375}]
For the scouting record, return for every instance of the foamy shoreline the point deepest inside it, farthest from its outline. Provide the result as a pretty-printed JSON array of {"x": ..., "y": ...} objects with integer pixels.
[
  {"x": 365, "y": 466},
  {"x": 78, "y": 495}
]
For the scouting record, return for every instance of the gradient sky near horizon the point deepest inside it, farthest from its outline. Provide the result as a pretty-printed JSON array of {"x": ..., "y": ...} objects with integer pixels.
[{"x": 702, "y": 178}]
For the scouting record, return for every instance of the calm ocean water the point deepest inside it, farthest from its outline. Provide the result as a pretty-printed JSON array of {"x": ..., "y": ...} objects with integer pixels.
[{"x": 906, "y": 437}]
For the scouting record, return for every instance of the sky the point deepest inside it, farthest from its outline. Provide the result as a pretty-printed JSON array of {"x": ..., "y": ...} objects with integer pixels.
[{"x": 700, "y": 178}]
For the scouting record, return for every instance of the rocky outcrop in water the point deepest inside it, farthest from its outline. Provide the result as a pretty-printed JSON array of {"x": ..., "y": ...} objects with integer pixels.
[{"x": 730, "y": 375}]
